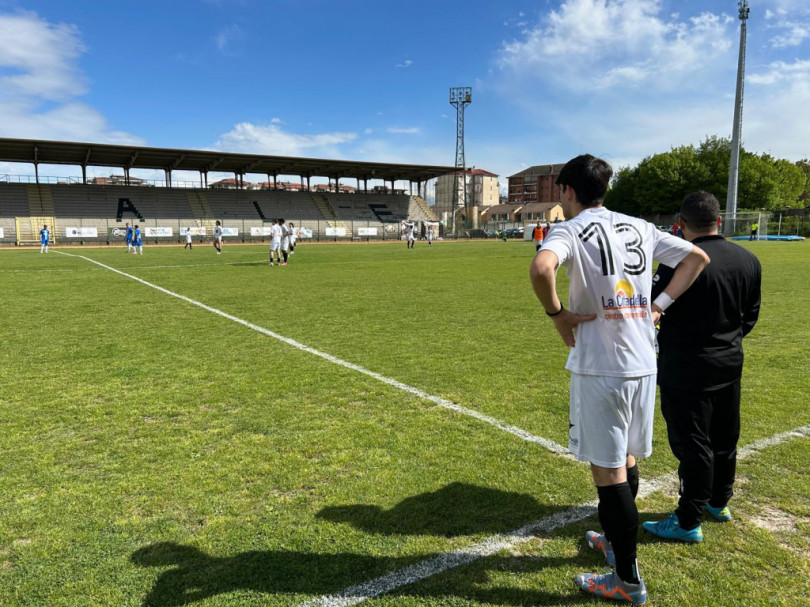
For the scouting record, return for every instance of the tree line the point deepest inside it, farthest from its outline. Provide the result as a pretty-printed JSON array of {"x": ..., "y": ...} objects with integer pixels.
[{"x": 659, "y": 183}]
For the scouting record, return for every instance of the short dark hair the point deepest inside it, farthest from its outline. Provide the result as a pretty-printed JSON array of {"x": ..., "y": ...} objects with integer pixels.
[
  {"x": 700, "y": 210},
  {"x": 589, "y": 177}
]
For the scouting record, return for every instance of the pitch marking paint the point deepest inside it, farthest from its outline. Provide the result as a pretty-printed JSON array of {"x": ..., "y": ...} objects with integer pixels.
[
  {"x": 497, "y": 543},
  {"x": 442, "y": 402}
]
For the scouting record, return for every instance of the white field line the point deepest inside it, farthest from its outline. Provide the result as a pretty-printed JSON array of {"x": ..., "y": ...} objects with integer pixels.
[
  {"x": 497, "y": 543},
  {"x": 442, "y": 402},
  {"x": 184, "y": 265}
]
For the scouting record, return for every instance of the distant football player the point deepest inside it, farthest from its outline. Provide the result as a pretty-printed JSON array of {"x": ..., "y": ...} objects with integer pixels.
[
  {"x": 700, "y": 366},
  {"x": 188, "y": 239},
  {"x": 275, "y": 242},
  {"x": 44, "y": 239},
  {"x": 537, "y": 236},
  {"x": 137, "y": 244},
  {"x": 610, "y": 329},
  {"x": 410, "y": 237},
  {"x": 130, "y": 234},
  {"x": 218, "y": 237},
  {"x": 285, "y": 240},
  {"x": 293, "y": 237}
]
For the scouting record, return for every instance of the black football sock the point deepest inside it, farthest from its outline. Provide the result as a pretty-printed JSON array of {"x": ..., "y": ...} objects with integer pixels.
[
  {"x": 619, "y": 518},
  {"x": 632, "y": 480}
]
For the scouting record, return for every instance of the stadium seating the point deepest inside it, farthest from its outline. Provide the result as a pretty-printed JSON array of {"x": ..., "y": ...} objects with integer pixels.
[{"x": 99, "y": 206}]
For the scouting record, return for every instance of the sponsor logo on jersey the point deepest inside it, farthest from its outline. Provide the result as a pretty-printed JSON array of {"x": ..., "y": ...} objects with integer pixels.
[{"x": 624, "y": 298}]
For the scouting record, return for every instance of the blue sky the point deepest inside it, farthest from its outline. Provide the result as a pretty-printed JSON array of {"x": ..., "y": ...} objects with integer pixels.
[{"x": 369, "y": 80}]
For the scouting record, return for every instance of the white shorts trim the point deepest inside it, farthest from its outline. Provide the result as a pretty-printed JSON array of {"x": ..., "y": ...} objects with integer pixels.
[
  {"x": 611, "y": 418},
  {"x": 275, "y": 244}
]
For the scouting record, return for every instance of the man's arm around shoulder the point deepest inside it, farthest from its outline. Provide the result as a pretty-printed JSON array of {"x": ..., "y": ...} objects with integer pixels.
[{"x": 685, "y": 274}]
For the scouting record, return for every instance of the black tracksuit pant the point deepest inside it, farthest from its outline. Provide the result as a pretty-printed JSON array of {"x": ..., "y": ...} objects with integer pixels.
[{"x": 703, "y": 428}]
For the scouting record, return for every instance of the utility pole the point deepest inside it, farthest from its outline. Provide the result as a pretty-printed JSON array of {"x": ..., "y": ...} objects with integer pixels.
[
  {"x": 734, "y": 169},
  {"x": 460, "y": 97}
]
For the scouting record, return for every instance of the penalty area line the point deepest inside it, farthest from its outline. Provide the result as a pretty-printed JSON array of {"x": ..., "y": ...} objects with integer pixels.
[
  {"x": 506, "y": 541},
  {"x": 438, "y": 400}
]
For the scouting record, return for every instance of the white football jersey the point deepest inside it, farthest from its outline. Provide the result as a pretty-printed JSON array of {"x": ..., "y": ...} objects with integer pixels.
[
  {"x": 275, "y": 232},
  {"x": 608, "y": 257}
]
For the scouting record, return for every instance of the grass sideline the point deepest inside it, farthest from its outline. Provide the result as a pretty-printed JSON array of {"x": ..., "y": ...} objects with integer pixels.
[{"x": 157, "y": 454}]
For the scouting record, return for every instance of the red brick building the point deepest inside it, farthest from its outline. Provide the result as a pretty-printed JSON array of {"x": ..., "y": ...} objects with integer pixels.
[{"x": 535, "y": 184}]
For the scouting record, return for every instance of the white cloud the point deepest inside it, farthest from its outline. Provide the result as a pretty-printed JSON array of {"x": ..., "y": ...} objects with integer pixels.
[
  {"x": 621, "y": 79},
  {"x": 72, "y": 121},
  {"x": 405, "y": 64},
  {"x": 368, "y": 131},
  {"x": 593, "y": 43},
  {"x": 40, "y": 99},
  {"x": 272, "y": 140},
  {"x": 44, "y": 53},
  {"x": 277, "y": 121},
  {"x": 227, "y": 36},
  {"x": 411, "y": 130},
  {"x": 790, "y": 20},
  {"x": 793, "y": 33},
  {"x": 779, "y": 71},
  {"x": 775, "y": 107}
]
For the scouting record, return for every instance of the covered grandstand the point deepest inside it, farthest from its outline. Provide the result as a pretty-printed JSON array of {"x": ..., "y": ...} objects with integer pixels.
[{"x": 81, "y": 211}]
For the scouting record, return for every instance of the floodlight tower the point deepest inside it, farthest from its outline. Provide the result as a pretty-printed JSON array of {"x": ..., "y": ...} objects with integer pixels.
[
  {"x": 460, "y": 97},
  {"x": 734, "y": 169}
]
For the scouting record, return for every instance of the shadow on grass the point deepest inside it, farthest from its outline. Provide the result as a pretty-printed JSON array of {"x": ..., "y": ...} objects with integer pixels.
[
  {"x": 196, "y": 576},
  {"x": 454, "y": 510}
]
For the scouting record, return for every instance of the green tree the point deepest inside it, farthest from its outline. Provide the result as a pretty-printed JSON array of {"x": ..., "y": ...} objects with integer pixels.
[
  {"x": 768, "y": 183},
  {"x": 659, "y": 182}
]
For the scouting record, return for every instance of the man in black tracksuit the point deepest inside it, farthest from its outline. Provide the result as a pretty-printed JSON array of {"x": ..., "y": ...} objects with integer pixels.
[{"x": 699, "y": 368}]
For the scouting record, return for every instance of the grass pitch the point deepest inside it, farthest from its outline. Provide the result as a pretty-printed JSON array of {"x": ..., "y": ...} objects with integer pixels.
[{"x": 155, "y": 453}]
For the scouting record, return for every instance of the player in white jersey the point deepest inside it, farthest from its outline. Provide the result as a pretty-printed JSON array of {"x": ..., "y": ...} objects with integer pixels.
[
  {"x": 285, "y": 240},
  {"x": 218, "y": 237},
  {"x": 275, "y": 241},
  {"x": 293, "y": 237},
  {"x": 610, "y": 330},
  {"x": 410, "y": 238},
  {"x": 44, "y": 239},
  {"x": 188, "y": 244}
]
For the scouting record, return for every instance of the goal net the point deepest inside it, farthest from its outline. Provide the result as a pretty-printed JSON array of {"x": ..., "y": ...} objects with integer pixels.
[{"x": 739, "y": 225}]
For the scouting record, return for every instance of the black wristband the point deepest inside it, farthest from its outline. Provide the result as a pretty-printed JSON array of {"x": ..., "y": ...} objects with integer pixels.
[{"x": 557, "y": 312}]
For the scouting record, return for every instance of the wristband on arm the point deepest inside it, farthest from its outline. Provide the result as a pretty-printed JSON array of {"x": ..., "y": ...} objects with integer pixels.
[
  {"x": 557, "y": 312},
  {"x": 663, "y": 301}
]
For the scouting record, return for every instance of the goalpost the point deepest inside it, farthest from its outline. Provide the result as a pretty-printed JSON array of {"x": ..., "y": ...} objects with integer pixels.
[
  {"x": 28, "y": 229},
  {"x": 739, "y": 224}
]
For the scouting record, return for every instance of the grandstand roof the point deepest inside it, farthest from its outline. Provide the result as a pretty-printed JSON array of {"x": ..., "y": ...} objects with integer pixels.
[{"x": 132, "y": 157}]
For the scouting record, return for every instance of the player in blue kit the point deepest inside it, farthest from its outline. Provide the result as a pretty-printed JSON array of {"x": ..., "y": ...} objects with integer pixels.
[
  {"x": 129, "y": 238},
  {"x": 44, "y": 239},
  {"x": 137, "y": 245}
]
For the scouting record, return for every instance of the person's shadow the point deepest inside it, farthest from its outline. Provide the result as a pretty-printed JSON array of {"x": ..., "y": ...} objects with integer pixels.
[
  {"x": 454, "y": 510},
  {"x": 195, "y": 576}
]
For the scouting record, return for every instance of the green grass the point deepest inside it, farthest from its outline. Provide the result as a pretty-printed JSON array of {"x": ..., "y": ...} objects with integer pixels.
[{"x": 155, "y": 453}]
